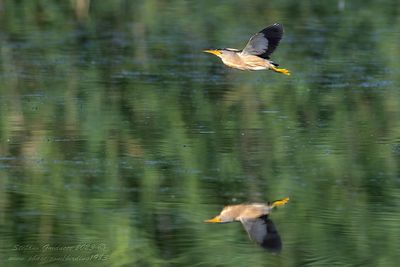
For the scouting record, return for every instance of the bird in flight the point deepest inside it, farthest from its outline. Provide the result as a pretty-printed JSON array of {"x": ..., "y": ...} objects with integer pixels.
[
  {"x": 256, "y": 54},
  {"x": 254, "y": 218}
]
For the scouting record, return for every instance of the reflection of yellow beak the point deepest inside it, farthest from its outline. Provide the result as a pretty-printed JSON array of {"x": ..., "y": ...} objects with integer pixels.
[
  {"x": 214, "y": 52},
  {"x": 213, "y": 220}
]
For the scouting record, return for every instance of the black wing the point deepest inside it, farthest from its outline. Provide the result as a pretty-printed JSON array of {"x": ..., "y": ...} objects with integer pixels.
[
  {"x": 264, "y": 42},
  {"x": 263, "y": 231}
]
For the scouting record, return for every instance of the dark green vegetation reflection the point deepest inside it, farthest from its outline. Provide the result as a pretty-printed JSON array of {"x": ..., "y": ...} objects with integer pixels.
[{"x": 118, "y": 137}]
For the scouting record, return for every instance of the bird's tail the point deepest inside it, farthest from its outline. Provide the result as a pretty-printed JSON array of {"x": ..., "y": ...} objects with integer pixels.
[
  {"x": 283, "y": 71},
  {"x": 280, "y": 202},
  {"x": 274, "y": 63}
]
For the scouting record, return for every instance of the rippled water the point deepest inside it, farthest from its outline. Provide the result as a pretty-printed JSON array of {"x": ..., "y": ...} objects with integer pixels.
[{"x": 119, "y": 137}]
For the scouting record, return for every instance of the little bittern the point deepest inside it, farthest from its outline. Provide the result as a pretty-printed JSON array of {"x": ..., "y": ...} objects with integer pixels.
[
  {"x": 256, "y": 54},
  {"x": 254, "y": 218}
]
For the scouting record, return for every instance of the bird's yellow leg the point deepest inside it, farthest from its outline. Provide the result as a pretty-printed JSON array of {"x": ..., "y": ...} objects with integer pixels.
[
  {"x": 280, "y": 202},
  {"x": 283, "y": 71}
]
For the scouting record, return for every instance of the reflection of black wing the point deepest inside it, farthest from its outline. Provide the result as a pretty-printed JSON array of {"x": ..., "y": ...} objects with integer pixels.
[
  {"x": 262, "y": 231},
  {"x": 263, "y": 43}
]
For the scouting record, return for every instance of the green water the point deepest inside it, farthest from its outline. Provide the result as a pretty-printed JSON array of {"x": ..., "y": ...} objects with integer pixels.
[{"x": 118, "y": 136}]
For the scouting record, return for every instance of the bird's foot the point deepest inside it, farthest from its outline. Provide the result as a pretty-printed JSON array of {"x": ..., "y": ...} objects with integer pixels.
[
  {"x": 283, "y": 71},
  {"x": 280, "y": 202}
]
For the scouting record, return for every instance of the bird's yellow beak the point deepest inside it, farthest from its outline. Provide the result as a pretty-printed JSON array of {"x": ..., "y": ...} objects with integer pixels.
[
  {"x": 213, "y": 51},
  {"x": 214, "y": 220}
]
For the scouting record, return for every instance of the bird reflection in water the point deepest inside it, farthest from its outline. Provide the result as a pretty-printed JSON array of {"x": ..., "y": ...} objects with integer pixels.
[{"x": 255, "y": 220}]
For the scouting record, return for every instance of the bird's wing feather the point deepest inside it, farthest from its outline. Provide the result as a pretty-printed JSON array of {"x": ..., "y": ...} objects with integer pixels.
[
  {"x": 263, "y": 231},
  {"x": 263, "y": 43}
]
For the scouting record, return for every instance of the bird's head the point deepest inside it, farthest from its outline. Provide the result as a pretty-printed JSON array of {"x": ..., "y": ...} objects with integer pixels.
[
  {"x": 222, "y": 52},
  {"x": 217, "y": 52},
  {"x": 228, "y": 214}
]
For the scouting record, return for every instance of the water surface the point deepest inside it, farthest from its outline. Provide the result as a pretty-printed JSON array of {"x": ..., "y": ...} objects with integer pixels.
[{"x": 118, "y": 137}]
